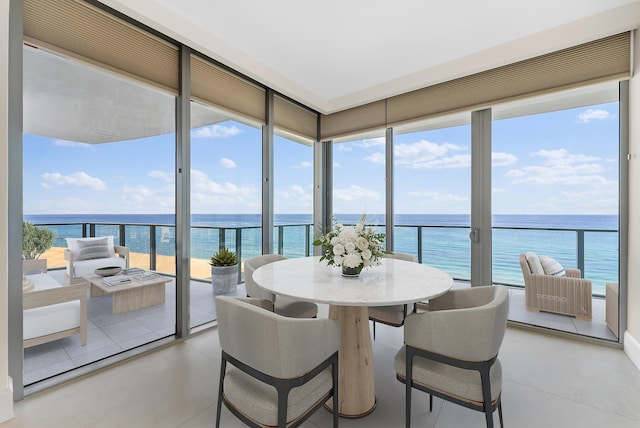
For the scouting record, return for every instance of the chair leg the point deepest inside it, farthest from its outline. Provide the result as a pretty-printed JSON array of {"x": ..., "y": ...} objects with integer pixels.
[
  {"x": 500, "y": 413},
  {"x": 374, "y": 330},
  {"x": 430, "y": 403},
  {"x": 407, "y": 415},
  {"x": 334, "y": 376},
  {"x": 223, "y": 367}
]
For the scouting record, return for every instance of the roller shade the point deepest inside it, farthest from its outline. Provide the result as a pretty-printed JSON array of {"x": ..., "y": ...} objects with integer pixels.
[
  {"x": 592, "y": 62},
  {"x": 355, "y": 120},
  {"x": 84, "y": 32},
  {"x": 598, "y": 61},
  {"x": 294, "y": 119},
  {"x": 214, "y": 85}
]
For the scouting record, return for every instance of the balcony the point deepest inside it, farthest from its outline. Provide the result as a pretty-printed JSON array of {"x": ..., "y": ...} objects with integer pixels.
[{"x": 153, "y": 247}]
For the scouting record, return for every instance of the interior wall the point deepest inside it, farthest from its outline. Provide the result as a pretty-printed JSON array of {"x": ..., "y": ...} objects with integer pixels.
[
  {"x": 6, "y": 390},
  {"x": 632, "y": 334}
]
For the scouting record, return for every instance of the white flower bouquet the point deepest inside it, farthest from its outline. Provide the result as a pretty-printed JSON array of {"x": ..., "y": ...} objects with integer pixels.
[{"x": 353, "y": 247}]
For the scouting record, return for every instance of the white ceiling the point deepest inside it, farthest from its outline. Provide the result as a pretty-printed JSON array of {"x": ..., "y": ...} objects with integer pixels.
[{"x": 334, "y": 54}]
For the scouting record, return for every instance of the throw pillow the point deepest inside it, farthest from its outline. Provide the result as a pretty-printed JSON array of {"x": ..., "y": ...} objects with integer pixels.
[
  {"x": 551, "y": 266},
  {"x": 534, "y": 263},
  {"x": 93, "y": 249},
  {"x": 72, "y": 245}
]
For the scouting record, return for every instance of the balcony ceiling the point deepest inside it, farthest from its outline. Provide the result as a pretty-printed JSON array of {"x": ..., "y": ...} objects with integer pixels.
[{"x": 336, "y": 54}]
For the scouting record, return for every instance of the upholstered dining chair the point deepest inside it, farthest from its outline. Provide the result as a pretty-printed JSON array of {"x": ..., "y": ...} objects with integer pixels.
[
  {"x": 391, "y": 315},
  {"x": 281, "y": 369},
  {"x": 282, "y": 305},
  {"x": 451, "y": 351}
]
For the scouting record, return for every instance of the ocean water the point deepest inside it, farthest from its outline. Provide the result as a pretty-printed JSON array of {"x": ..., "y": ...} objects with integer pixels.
[{"x": 444, "y": 238}]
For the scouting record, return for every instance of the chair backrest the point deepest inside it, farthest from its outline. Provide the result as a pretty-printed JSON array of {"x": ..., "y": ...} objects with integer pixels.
[
  {"x": 278, "y": 346},
  {"x": 526, "y": 269},
  {"x": 401, "y": 256},
  {"x": 250, "y": 265},
  {"x": 467, "y": 323}
]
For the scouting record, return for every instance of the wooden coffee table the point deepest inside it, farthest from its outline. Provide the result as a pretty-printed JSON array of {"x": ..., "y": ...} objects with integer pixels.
[{"x": 137, "y": 294}]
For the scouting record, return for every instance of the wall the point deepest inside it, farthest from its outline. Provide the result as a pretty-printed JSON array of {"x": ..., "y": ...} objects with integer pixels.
[
  {"x": 632, "y": 334},
  {"x": 6, "y": 387}
]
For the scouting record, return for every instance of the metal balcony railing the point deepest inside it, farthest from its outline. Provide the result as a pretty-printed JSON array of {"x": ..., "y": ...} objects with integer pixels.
[{"x": 593, "y": 251}]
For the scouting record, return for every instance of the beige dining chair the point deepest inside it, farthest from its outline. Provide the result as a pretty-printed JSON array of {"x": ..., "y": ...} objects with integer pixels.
[
  {"x": 393, "y": 315},
  {"x": 275, "y": 370},
  {"x": 282, "y": 305},
  {"x": 451, "y": 350}
]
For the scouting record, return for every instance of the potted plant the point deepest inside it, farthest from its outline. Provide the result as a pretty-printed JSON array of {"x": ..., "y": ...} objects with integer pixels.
[
  {"x": 224, "y": 271},
  {"x": 35, "y": 240}
]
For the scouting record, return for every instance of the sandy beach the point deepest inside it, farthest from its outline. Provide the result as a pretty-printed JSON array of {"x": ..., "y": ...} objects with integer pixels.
[{"x": 199, "y": 267}]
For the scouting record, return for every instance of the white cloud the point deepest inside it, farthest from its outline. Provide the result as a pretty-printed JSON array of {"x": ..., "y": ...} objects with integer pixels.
[
  {"x": 502, "y": 159},
  {"x": 65, "y": 143},
  {"x": 139, "y": 198},
  {"x": 227, "y": 163},
  {"x": 563, "y": 157},
  {"x": 591, "y": 114},
  {"x": 209, "y": 196},
  {"x": 376, "y": 158},
  {"x": 439, "y": 197},
  {"x": 371, "y": 142},
  {"x": 305, "y": 164},
  {"x": 216, "y": 131},
  {"x": 79, "y": 179},
  {"x": 355, "y": 193},
  {"x": 161, "y": 175},
  {"x": 425, "y": 154},
  {"x": 561, "y": 167}
]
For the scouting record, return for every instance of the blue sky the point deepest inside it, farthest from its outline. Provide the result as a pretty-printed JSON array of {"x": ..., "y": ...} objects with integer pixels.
[{"x": 555, "y": 163}]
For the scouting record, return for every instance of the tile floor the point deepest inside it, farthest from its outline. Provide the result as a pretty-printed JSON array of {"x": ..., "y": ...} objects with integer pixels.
[
  {"x": 109, "y": 334},
  {"x": 112, "y": 334},
  {"x": 548, "y": 382}
]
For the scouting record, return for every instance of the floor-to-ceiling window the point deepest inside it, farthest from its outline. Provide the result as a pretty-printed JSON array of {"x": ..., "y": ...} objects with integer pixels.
[
  {"x": 293, "y": 197},
  {"x": 555, "y": 192},
  {"x": 99, "y": 155},
  {"x": 226, "y": 201},
  {"x": 359, "y": 179},
  {"x": 432, "y": 166}
]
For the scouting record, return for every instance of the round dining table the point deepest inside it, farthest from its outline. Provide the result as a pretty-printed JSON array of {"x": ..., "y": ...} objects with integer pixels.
[{"x": 393, "y": 282}]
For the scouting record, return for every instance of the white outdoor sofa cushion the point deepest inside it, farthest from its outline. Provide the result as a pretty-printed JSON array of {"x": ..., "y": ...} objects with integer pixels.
[{"x": 52, "y": 311}]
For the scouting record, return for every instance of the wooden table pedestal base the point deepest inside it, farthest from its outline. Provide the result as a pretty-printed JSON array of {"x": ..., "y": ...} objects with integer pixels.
[{"x": 356, "y": 384}]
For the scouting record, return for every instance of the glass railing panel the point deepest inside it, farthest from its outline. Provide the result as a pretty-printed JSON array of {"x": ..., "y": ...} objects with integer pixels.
[
  {"x": 405, "y": 240},
  {"x": 449, "y": 249},
  {"x": 601, "y": 259},
  {"x": 292, "y": 240},
  {"x": 165, "y": 254},
  {"x": 137, "y": 239}
]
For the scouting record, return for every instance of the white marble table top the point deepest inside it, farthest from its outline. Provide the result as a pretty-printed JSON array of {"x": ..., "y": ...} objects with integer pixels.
[{"x": 391, "y": 283}]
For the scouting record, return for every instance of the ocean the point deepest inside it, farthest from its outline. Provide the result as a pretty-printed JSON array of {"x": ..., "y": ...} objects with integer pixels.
[{"x": 444, "y": 238}]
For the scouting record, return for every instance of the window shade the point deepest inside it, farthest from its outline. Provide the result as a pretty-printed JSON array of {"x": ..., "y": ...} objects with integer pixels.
[
  {"x": 592, "y": 62},
  {"x": 82, "y": 31},
  {"x": 213, "y": 85},
  {"x": 355, "y": 120},
  {"x": 294, "y": 119}
]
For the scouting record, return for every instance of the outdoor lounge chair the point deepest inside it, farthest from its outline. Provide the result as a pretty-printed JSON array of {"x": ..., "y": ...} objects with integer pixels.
[
  {"x": 85, "y": 255},
  {"x": 567, "y": 295}
]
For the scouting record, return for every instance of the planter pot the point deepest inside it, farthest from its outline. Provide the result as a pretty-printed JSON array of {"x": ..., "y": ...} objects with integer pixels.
[{"x": 224, "y": 279}]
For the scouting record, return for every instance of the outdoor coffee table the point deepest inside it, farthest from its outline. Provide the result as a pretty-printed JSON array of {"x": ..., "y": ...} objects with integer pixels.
[{"x": 136, "y": 294}]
